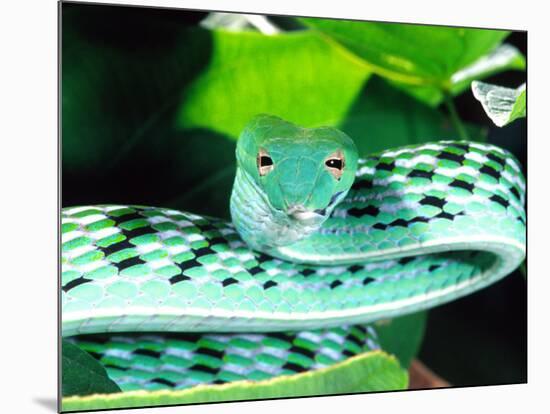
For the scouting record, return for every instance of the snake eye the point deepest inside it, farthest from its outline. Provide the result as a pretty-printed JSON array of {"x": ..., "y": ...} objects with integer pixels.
[
  {"x": 265, "y": 163},
  {"x": 335, "y": 164}
]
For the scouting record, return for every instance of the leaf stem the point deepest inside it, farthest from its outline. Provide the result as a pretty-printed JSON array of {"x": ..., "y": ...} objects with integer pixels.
[{"x": 455, "y": 119}]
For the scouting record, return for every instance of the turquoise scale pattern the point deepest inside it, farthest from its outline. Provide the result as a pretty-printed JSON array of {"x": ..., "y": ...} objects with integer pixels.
[
  {"x": 145, "y": 269},
  {"x": 405, "y": 198},
  {"x": 117, "y": 259},
  {"x": 156, "y": 361}
]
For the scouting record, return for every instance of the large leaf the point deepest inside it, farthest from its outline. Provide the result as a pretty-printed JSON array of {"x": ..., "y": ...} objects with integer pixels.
[
  {"x": 502, "y": 105},
  {"x": 426, "y": 61},
  {"x": 374, "y": 371},
  {"x": 82, "y": 374},
  {"x": 121, "y": 87},
  {"x": 120, "y": 80},
  {"x": 503, "y": 58},
  {"x": 296, "y": 76},
  {"x": 383, "y": 117},
  {"x": 402, "y": 336},
  {"x": 410, "y": 53}
]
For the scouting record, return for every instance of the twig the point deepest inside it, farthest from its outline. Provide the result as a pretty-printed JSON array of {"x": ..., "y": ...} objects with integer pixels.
[
  {"x": 455, "y": 119},
  {"x": 421, "y": 377}
]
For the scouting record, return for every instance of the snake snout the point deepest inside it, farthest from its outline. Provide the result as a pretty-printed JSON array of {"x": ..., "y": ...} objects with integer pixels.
[{"x": 300, "y": 213}]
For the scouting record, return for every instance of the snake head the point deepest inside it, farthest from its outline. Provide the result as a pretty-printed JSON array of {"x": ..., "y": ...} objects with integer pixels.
[{"x": 302, "y": 173}]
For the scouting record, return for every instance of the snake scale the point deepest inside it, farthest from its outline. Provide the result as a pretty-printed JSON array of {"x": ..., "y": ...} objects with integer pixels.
[{"x": 321, "y": 244}]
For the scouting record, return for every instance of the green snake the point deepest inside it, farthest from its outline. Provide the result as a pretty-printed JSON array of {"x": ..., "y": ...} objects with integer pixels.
[{"x": 322, "y": 243}]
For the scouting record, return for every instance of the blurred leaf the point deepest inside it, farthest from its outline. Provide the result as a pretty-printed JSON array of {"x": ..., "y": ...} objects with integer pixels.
[
  {"x": 373, "y": 371},
  {"x": 504, "y": 57},
  {"x": 383, "y": 117},
  {"x": 118, "y": 81},
  {"x": 239, "y": 22},
  {"x": 121, "y": 88},
  {"x": 202, "y": 170},
  {"x": 519, "y": 110},
  {"x": 523, "y": 269},
  {"x": 191, "y": 171},
  {"x": 502, "y": 105},
  {"x": 425, "y": 61},
  {"x": 402, "y": 336},
  {"x": 380, "y": 118},
  {"x": 83, "y": 374},
  {"x": 296, "y": 76},
  {"x": 416, "y": 54}
]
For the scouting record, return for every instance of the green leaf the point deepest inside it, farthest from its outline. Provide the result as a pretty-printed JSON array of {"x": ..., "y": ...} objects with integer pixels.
[
  {"x": 296, "y": 76},
  {"x": 82, "y": 374},
  {"x": 425, "y": 61},
  {"x": 239, "y": 22},
  {"x": 504, "y": 57},
  {"x": 373, "y": 371},
  {"x": 519, "y": 109},
  {"x": 123, "y": 109},
  {"x": 383, "y": 117},
  {"x": 117, "y": 89},
  {"x": 502, "y": 105},
  {"x": 416, "y": 54},
  {"x": 402, "y": 336}
]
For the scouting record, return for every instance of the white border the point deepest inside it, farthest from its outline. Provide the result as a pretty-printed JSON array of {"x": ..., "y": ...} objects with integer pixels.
[{"x": 28, "y": 170}]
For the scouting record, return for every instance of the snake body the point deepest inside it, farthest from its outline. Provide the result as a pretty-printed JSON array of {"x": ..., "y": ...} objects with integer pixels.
[{"x": 170, "y": 299}]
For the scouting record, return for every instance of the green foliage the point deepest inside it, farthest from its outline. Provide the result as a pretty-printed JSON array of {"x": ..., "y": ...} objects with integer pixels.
[
  {"x": 426, "y": 61},
  {"x": 502, "y": 105},
  {"x": 82, "y": 374},
  {"x": 504, "y": 57},
  {"x": 289, "y": 75},
  {"x": 115, "y": 96},
  {"x": 381, "y": 117},
  {"x": 151, "y": 117},
  {"x": 519, "y": 110},
  {"x": 402, "y": 336},
  {"x": 384, "y": 117},
  {"x": 374, "y": 371},
  {"x": 411, "y": 53}
]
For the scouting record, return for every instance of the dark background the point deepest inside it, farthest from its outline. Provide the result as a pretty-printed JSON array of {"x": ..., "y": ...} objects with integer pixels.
[{"x": 482, "y": 338}]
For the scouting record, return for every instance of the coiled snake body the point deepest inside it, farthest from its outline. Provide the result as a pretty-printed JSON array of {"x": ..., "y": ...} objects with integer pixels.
[{"x": 322, "y": 243}]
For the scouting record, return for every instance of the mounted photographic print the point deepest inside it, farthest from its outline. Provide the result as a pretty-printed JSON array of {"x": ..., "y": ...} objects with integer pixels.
[{"x": 262, "y": 207}]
